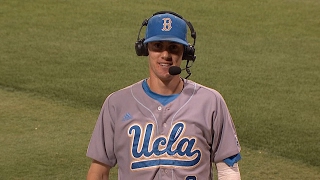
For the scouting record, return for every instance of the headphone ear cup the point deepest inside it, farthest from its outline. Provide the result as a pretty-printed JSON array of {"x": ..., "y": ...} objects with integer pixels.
[
  {"x": 141, "y": 48},
  {"x": 188, "y": 53}
]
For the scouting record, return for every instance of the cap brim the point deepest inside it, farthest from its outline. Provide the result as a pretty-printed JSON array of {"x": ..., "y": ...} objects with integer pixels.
[{"x": 166, "y": 38}]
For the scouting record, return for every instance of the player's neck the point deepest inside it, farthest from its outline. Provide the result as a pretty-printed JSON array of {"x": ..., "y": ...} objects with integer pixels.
[{"x": 173, "y": 86}]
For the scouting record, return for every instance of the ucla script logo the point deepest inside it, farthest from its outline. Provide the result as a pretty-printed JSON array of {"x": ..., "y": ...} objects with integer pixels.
[{"x": 173, "y": 150}]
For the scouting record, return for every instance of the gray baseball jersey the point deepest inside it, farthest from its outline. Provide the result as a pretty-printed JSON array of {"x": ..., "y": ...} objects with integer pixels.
[{"x": 177, "y": 141}]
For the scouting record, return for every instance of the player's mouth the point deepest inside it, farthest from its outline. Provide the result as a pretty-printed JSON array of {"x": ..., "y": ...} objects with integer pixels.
[{"x": 165, "y": 64}]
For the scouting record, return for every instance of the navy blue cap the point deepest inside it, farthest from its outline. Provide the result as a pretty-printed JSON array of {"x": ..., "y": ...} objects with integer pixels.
[{"x": 166, "y": 27}]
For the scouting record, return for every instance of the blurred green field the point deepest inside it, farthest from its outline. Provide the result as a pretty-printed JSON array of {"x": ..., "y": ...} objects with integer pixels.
[{"x": 60, "y": 59}]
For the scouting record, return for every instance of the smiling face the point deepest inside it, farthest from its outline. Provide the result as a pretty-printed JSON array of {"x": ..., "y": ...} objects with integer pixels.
[{"x": 163, "y": 55}]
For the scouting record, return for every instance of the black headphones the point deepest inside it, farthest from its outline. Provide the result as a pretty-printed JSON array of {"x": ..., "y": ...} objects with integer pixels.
[{"x": 189, "y": 51}]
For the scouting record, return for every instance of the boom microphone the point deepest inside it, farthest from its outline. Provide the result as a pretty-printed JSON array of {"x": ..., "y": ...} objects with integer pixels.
[{"x": 174, "y": 70}]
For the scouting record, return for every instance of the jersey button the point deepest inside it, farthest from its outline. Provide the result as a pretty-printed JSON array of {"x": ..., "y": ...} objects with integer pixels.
[
  {"x": 164, "y": 124},
  {"x": 159, "y": 108}
]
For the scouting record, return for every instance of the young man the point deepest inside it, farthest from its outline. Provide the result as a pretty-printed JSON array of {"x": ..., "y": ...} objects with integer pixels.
[{"x": 164, "y": 127}]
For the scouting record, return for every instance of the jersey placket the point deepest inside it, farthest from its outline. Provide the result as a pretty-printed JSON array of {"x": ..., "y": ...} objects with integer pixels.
[
  {"x": 164, "y": 120},
  {"x": 164, "y": 128}
]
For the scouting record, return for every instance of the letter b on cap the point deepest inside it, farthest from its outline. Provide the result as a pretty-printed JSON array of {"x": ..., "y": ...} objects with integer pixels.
[{"x": 166, "y": 24}]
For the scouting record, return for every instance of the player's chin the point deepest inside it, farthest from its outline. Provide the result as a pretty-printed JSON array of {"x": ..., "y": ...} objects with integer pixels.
[
  {"x": 164, "y": 72},
  {"x": 166, "y": 77}
]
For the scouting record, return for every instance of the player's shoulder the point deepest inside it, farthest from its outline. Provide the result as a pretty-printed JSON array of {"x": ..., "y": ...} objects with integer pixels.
[
  {"x": 202, "y": 89},
  {"x": 124, "y": 92},
  {"x": 122, "y": 96}
]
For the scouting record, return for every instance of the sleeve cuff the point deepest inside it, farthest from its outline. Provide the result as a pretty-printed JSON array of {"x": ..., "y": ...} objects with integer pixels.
[{"x": 232, "y": 159}]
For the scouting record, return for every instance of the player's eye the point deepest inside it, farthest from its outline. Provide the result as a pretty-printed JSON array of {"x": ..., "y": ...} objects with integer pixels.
[
  {"x": 171, "y": 47},
  {"x": 156, "y": 46},
  {"x": 175, "y": 48}
]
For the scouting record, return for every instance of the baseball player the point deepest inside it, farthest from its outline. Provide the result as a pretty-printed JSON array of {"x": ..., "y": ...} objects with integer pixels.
[{"x": 165, "y": 127}]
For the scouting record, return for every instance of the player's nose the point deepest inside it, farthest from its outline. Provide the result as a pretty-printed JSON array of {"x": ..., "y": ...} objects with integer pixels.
[{"x": 165, "y": 54}]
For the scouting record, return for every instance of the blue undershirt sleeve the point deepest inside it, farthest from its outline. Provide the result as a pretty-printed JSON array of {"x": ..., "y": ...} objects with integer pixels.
[{"x": 232, "y": 159}]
